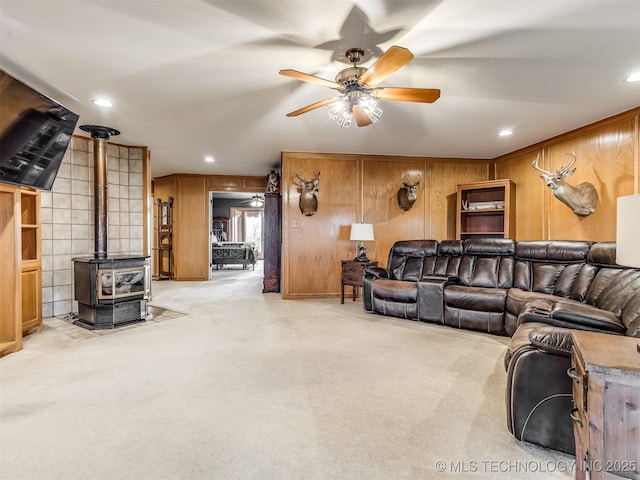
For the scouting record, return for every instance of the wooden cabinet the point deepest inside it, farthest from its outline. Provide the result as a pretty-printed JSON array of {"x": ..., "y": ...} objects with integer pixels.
[
  {"x": 272, "y": 242},
  {"x": 606, "y": 394},
  {"x": 31, "y": 260},
  {"x": 353, "y": 275},
  {"x": 486, "y": 210},
  {"x": 10, "y": 271}
]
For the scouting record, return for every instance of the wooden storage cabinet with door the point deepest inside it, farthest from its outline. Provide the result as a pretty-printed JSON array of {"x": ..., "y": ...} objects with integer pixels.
[
  {"x": 31, "y": 260},
  {"x": 486, "y": 210},
  {"x": 606, "y": 395}
]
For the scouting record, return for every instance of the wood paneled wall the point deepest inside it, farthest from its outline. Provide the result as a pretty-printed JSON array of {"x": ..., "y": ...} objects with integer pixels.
[
  {"x": 607, "y": 157},
  {"x": 362, "y": 188},
  {"x": 190, "y": 253}
]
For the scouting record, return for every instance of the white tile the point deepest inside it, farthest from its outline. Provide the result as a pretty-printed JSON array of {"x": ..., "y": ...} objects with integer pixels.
[
  {"x": 47, "y": 279},
  {"x": 80, "y": 172},
  {"x": 80, "y": 231},
  {"x": 135, "y": 219},
  {"x": 124, "y": 152},
  {"x": 135, "y": 246},
  {"x": 135, "y": 193},
  {"x": 62, "y": 262},
  {"x": 113, "y": 177},
  {"x": 62, "y": 307},
  {"x": 64, "y": 171},
  {"x": 135, "y": 179},
  {"x": 124, "y": 218},
  {"x": 81, "y": 247},
  {"x": 79, "y": 157},
  {"x": 62, "y": 277},
  {"x": 81, "y": 187},
  {"x": 46, "y": 199},
  {"x": 79, "y": 217},
  {"x": 124, "y": 164},
  {"x": 46, "y": 215},
  {"x": 135, "y": 153},
  {"x": 124, "y": 178},
  {"x": 62, "y": 185},
  {"x": 124, "y": 191},
  {"x": 124, "y": 231},
  {"x": 47, "y": 231},
  {"x": 61, "y": 200},
  {"x": 80, "y": 143},
  {"x": 113, "y": 151},
  {"x": 62, "y": 246},
  {"x": 47, "y": 309},
  {"x": 113, "y": 205},
  {"x": 135, "y": 206},
  {"x": 61, "y": 231},
  {"x": 47, "y": 263},
  {"x": 124, "y": 204},
  {"x": 136, "y": 232},
  {"x": 61, "y": 215},
  {"x": 47, "y": 294},
  {"x": 47, "y": 246}
]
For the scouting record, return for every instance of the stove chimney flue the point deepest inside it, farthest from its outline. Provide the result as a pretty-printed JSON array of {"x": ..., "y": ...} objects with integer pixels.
[{"x": 100, "y": 136}]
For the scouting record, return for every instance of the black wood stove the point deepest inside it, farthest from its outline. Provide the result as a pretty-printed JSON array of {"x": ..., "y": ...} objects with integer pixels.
[{"x": 110, "y": 290}]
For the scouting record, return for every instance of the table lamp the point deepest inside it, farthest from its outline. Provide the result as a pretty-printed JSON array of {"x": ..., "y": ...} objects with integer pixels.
[{"x": 361, "y": 232}]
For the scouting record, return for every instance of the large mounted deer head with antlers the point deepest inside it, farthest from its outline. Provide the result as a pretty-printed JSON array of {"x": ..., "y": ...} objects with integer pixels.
[
  {"x": 308, "y": 189},
  {"x": 582, "y": 198},
  {"x": 408, "y": 193}
]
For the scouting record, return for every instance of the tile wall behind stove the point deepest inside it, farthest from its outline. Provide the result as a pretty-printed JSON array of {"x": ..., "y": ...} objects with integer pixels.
[{"x": 67, "y": 217}]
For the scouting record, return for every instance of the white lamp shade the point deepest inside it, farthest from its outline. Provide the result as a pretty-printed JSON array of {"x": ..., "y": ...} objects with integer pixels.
[
  {"x": 628, "y": 231},
  {"x": 362, "y": 232}
]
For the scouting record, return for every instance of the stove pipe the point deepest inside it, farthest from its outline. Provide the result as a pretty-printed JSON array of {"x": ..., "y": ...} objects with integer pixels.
[{"x": 100, "y": 136}]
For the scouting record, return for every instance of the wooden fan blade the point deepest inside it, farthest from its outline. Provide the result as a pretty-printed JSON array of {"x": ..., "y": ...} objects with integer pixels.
[
  {"x": 313, "y": 106},
  {"x": 362, "y": 119},
  {"x": 423, "y": 95},
  {"x": 305, "y": 77},
  {"x": 389, "y": 62}
]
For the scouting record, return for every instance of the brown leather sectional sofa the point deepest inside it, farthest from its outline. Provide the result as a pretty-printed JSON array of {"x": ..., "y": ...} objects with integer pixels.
[{"x": 533, "y": 291}]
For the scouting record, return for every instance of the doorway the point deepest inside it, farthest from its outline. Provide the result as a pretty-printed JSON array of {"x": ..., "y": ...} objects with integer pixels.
[{"x": 236, "y": 217}]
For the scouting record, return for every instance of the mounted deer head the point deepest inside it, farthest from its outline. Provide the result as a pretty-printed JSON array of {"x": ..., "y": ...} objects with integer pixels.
[
  {"x": 581, "y": 199},
  {"x": 408, "y": 193},
  {"x": 308, "y": 190}
]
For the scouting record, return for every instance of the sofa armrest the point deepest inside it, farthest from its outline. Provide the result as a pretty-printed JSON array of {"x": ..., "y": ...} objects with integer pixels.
[
  {"x": 378, "y": 272},
  {"x": 555, "y": 340},
  {"x": 571, "y": 314},
  {"x": 431, "y": 297}
]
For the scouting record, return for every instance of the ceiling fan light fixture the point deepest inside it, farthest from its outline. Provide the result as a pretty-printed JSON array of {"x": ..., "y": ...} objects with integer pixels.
[
  {"x": 340, "y": 112},
  {"x": 370, "y": 107},
  {"x": 257, "y": 201}
]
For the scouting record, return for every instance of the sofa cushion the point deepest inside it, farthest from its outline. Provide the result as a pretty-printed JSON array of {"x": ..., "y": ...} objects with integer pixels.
[
  {"x": 549, "y": 266},
  {"x": 406, "y": 258},
  {"x": 395, "y": 290},
  {"x": 475, "y": 298},
  {"x": 487, "y": 262},
  {"x": 571, "y": 314}
]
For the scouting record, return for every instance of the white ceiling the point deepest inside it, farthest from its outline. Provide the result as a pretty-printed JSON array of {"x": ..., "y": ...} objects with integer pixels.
[{"x": 191, "y": 78}]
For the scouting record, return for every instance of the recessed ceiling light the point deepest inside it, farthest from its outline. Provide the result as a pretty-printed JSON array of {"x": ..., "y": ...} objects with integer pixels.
[
  {"x": 634, "y": 77},
  {"x": 103, "y": 102},
  {"x": 505, "y": 133},
  {"x": 209, "y": 159}
]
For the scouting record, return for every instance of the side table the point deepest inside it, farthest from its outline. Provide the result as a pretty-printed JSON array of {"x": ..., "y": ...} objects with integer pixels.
[
  {"x": 353, "y": 275},
  {"x": 606, "y": 393}
]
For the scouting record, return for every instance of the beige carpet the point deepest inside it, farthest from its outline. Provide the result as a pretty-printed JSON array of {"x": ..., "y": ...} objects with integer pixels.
[{"x": 248, "y": 386}]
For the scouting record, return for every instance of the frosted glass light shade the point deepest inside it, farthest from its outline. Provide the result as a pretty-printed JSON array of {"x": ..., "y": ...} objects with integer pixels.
[
  {"x": 628, "y": 231},
  {"x": 362, "y": 232}
]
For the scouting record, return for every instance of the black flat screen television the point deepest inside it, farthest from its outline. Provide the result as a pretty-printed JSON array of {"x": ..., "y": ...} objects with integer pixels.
[{"x": 35, "y": 132}]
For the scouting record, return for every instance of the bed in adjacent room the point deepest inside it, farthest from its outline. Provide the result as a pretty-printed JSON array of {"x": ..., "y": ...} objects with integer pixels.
[{"x": 233, "y": 253}]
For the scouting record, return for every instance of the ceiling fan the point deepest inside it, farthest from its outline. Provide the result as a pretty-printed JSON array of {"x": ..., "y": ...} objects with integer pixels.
[{"x": 358, "y": 90}]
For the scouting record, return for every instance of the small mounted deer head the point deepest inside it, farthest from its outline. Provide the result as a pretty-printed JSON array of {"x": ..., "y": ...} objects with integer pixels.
[
  {"x": 582, "y": 199},
  {"x": 408, "y": 193},
  {"x": 308, "y": 190}
]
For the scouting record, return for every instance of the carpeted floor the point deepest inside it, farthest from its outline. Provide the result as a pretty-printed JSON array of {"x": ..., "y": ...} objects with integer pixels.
[{"x": 243, "y": 385}]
